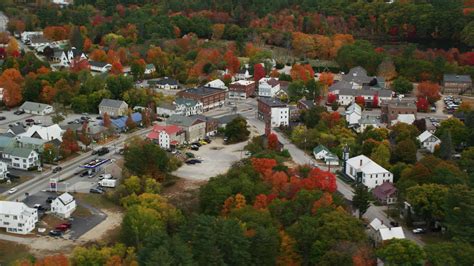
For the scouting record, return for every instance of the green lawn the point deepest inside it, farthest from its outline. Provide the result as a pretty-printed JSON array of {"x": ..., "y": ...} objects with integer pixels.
[{"x": 96, "y": 200}]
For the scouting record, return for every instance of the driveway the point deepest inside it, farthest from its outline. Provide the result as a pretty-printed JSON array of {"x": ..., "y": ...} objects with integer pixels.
[{"x": 217, "y": 159}]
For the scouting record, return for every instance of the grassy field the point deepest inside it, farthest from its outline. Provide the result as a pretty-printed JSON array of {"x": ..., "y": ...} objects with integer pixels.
[
  {"x": 10, "y": 252},
  {"x": 96, "y": 200}
]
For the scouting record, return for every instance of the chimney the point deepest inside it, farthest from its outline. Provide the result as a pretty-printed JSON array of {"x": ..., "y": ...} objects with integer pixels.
[{"x": 360, "y": 162}]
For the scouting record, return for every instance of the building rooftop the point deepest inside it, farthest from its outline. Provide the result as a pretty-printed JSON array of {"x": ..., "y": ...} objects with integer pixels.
[
  {"x": 184, "y": 121},
  {"x": 457, "y": 78},
  {"x": 366, "y": 165},
  {"x": 33, "y": 106},
  {"x": 391, "y": 233},
  {"x": 18, "y": 152},
  {"x": 65, "y": 198},
  {"x": 272, "y": 102},
  {"x": 376, "y": 224},
  {"x": 203, "y": 91},
  {"x": 16, "y": 208},
  {"x": 384, "y": 190},
  {"x": 111, "y": 103},
  {"x": 425, "y": 135}
]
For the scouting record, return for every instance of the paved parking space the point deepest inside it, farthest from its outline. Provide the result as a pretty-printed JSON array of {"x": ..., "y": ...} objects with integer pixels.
[{"x": 217, "y": 159}]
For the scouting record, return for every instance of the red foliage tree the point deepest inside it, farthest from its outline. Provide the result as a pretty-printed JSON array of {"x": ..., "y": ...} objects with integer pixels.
[
  {"x": 273, "y": 142},
  {"x": 331, "y": 98},
  {"x": 258, "y": 72},
  {"x": 11, "y": 81},
  {"x": 428, "y": 90},
  {"x": 318, "y": 178},
  {"x": 375, "y": 102},
  {"x": 232, "y": 62},
  {"x": 263, "y": 166},
  {"x": 79, "y": 64},
  {"x": 106, "y": 120},
  {"x": 422, "y": 104},
  {"x": 360, "y": 101},
  {"x": 331, "y": 119},
  {"x": 98, "y": 55},
  {"x": 117, "y": 68},
  {"x": 278, "y": 180},
  {"x": 302, "y": 72},
  {"x": 69, "y": 144},
  {"x": 87, "y": 45}
]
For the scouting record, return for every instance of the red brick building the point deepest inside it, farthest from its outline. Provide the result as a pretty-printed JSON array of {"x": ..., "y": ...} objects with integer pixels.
[
  {"x": 241, "y": 89},
  {"x": 210, "y": 97}
]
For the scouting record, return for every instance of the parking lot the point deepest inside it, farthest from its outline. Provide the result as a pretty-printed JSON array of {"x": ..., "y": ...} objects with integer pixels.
[
  {"x": 83, "y": 219},
  {"x": 216, "y": 159}
]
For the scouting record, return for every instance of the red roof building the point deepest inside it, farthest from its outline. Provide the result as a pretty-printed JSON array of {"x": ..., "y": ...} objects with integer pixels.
[
  {"x": 167, "y": 136},
  {"x": 386, "y": 193}
]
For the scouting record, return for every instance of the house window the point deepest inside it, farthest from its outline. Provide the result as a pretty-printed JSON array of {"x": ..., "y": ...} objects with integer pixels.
[{"x": 15, "y": 217}]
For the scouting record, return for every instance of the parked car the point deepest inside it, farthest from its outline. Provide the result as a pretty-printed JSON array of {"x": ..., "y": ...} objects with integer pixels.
[
  {"x": 96, "y": 191},
  {"x": 196, "y": 144},
  {"x": 194, "y": 148},
  {"x": 203, "y": 142},
  {"x": 2, "y": 118},
  {"x": 57, "y": 169},
  {"x": 19, "y": 112},
  {"x": 29, "y": 120},
  {"x": 83, "y": 174},
  {"x": 105, "y": 176},
  {"x": 208, "y": 140},
  {"x": 394, "y": 224},
  {"x": 190, "y": 155},
  {"x": 12, "y": 190},
  {"x": 419, "y": 231},
  {"x": 55, "y": 233},
  {"x": 193, "y": 161},
  {"x": 63, "y": 227},
  {"x": 103, "y": 151}
]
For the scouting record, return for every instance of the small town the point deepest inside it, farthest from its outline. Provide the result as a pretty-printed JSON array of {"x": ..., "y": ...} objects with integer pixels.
[{"x": 296, "y": 132}]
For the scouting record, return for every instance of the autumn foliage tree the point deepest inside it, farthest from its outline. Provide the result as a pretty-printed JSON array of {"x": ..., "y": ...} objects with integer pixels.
[
  {"x": 11, "y": 81},
  {"x": 69, "y": 144},
  {"x": 106, "y": 120},
  {"x": 422, "y": 104},
  {"x": 232, "y": 62},
  {"x": 302, "y": 72},
  {"x": 13, "y": 49},
  {"x": 375, "y": 101},
  {"x": 428, "y": 90},
  {"x": 331, "y": 98},
  {"x": 360, "y": 100},
  {"x": 130, "y": 123},
  {"x": 258, "y": 72},
  {"x": 263, "y": 166},
  {"x": 117, "y": 68},
  {"x": 326, "y": 78},
  {"x": 98, "y": 55},
  {"x": 273, "y": 143}
]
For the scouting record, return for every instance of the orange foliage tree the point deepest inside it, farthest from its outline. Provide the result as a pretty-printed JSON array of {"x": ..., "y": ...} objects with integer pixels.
[
  {"x": 302, "y": 72},
  {"x": 13, "y": 49},
  {"x": 56, "y": 33},
  {"x": 326, "y": 78},
  {"x": 48, "y": 93},
  {"x": 98, "y": 55},
  {"x": 69, "y": 144},
  {"x": 117, "y": 68},
  {"x": 258, "y": 72},
  {"x": 263, "y": 165},
  {"x": 87, "y": 46},
  {"x": 232, "y": 62},
  {"x": 324, "y": 202},
  {"x": 11, "y": 81},
  {"x": 287, "y": 255},
  {"x": 79, "y": 64},
  {"x": 217, "y": 31},
  {"x": 273, "y": 143},
  {"x": 428, "y": 90}
]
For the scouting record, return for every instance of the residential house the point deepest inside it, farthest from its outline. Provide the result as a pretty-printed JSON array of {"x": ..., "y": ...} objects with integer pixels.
[
  {"x": 150, "y": 69},
  {"x": 273, "y": 111},
  {"x": 375, "y": 225},
  {"x": 101, "y": 67},
  {"x": 36, "y": 144},
  {"x": 392, "y": 108},
  {"x": 195, "y": 128},
  {"x": 180, "y": 106},
  {"x": 68, "y": 56},
  {"x": 165, "y": 84},
  {"x": 428, "y": 141},
  {"x": 167, "y": 136},
  {"x": 386, "y": 193},
  {"x": 211, "y": 124},
  {"x": 216, "y": 84},
  {"x": 358, "y": 78},
  {"x": 402, "y": 118},
  {"x": 36, "y": 108},
  {"x": 16, "y": 129},
  {"x": 44, "y": 132},
  {"x": 353, "y": 114},
  {"x": 64, "y": 205},
  {"x": 27, "y": 35},
  {"x": 113, "y": 108},
  {"x": 456, "y": 84},
  {"x": 363, "y": 170},
  {"x": 268, "y": 87},
  {"x": 304, "y": 104},
  {"x": 7, "y": 142},
  {"x": 120, "y": 123},
  {"x": 387, "y": 233},
  {"x": 17, "y": 218},
  {"x": 210, "y": 97},
  {"x": 241, "y": 89},
  {"x": 323, "y": 153},
  {"x": 3, "y": 170},
  {"x": 365, "y": 121},
  {"x": 243, "y": 74},
  {"x": 348, "y": 96},
  {"x": 37, "y": 41},
  {"x": 21, "y": 158}
]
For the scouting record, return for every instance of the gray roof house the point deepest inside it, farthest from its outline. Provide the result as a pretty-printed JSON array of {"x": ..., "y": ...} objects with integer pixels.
[
  {"x": 16, "y": 129},
  {"x": 113, "y": 108},
  {"x": 36, "y": 108},
  {"x": 322, "y": 153},
  {"x": 194, "y": 126},
  {"x": 456, "y": 84}
]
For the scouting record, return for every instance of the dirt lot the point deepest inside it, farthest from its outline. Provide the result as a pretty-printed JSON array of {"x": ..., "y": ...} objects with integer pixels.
[{"x": 217, "y": 159}]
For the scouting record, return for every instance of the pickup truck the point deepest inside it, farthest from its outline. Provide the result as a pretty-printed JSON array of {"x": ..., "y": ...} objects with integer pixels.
[{"x": 108, "y": 183}]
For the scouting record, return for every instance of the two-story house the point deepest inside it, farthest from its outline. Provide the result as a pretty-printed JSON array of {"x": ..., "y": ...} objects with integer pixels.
[
  {"x": 363, "y": 170},
  {"x": 68, "y": 56},
  {"x": 210, "y": 97},
  {"x": 21, "y": 158},
  {"x": 456, "y": 84},
  {"x": 167, "y": 136},
  {"x": 194, "y": 127},
  {"x": 428, "y": 141},
  {"x": 268, "y": 87},
  {"x": 64, "y": 205},
  {"x": 273, "y": 111},
  {"x": 17, "y": 218},
  {"x": 113, "y": 108},
  {"x": 241, "y": 89}
]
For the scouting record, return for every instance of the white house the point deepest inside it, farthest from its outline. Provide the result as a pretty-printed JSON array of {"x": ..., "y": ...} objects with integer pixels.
[
  {"x": 243, "y": 74},
  {"x": 388, "y": 233},
  {"x": 428, "y": 141},
  {"x": 17, "y": 218},
  {"x": 375, "y": 226},
  {"x": 268, "y": 87},
  {"x": 167, "y": 136},
  {"x": 36, "y": 108},
  {"x": 68, "y": 56},
  {"x": 165, "y": 84},
  {"x": 64, "y": 205},
  {"x": 44, "y": 132},
  {"x": 20, "y": 158},
  {"x": 149, "y": 69},
  {"x": 100, "y": 67},
  {"x": 217, "y": 84},
  {"x": 180, "y": 106},
  {"x": 274, "y": 111},
  {"x": 323, "y": 153},
  {"x": 37, "y": 41},
  {"x": 3, "y": 170},
  {"x": 365, "y": 121},
  {"x": 362, "y": 169},
  {"x": 353, "y": 114},
  {"x": 26, "y": 35}
]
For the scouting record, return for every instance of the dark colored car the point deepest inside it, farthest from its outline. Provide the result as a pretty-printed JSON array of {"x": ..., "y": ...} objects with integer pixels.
[
  {"x": 55, "y": 233},
  {"x": 195, "y": 148},
  {"x": 394, "y": 224},
  {"x": 50, "y": 199},
  {"x": 193, "y": 161},
  {"x": 196, "y": 144},
  {"x": 19, "y": 112},
  {"x": 99, "y": 118},
  {"x": 83, "y": 174},
  {"x": 57, "y": 169},
  {"x": 29, "y": 120},
  {"x": 96, "y": 191},
  {"x": 2, "y": 118},
  {"x": 103, "y": 151},
  {"x": 190, "y": 154}
]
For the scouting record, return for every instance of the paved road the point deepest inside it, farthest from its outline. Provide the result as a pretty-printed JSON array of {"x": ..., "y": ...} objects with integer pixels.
[
  {"x": 3, "y": 22},
  {"x": 301, "y": 157},
  {"x": 40, "y": 182}
]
